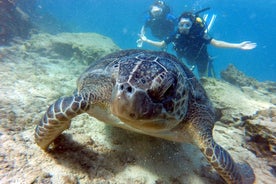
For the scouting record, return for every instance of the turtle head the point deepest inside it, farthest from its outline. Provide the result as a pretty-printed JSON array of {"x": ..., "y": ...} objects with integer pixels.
[{"x": 145, "y": 104}]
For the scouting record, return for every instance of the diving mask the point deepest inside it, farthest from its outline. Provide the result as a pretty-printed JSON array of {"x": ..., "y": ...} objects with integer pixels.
[
  {"x": 185, "y": 23},
  {"x": 156, "y": 11}
]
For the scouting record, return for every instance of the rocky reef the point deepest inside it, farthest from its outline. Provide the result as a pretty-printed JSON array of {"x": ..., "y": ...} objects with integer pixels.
[
  {"x": 82, "y": 47},
  {"x": 36, "y": 72},
  {"x": 248, "y": 84}
]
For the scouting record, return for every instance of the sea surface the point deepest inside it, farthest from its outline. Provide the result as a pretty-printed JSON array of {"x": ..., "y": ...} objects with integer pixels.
[{"x": 121, "y": 20}]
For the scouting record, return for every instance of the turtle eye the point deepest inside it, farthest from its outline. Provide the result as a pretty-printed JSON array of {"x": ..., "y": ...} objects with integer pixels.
[{"x": 161, "y": 86}]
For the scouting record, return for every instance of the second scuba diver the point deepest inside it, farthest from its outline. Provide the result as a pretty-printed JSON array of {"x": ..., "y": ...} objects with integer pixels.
[{"x": 160, "y": 21}]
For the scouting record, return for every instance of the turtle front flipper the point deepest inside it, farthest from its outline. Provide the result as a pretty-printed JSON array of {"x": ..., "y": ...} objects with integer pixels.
[
  {"x": 58, "y": 118},
  {"x": 221, "y": 160}
]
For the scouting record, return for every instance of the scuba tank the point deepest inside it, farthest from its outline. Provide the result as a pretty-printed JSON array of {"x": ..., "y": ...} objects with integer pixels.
[{"x": 209, "y": 20}]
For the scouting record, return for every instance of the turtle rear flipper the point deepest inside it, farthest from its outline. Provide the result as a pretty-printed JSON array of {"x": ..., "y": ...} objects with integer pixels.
[{"x": 58, "y": 118}]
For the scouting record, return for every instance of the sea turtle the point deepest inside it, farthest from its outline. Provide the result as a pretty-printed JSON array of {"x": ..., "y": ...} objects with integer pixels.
[{"x": 148, "y": 92}]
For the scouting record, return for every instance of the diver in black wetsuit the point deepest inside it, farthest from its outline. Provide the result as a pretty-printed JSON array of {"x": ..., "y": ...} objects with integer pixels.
[
  {"x": 190, "y": 43},
  {"x": 160, "y": 21},
  {"x": 14, "y": 22}
]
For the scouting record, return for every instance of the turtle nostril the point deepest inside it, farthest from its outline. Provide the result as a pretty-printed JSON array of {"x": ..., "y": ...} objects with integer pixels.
[
  {"x": 126, "y": 87},
  {"x": 129, "y": 89}
]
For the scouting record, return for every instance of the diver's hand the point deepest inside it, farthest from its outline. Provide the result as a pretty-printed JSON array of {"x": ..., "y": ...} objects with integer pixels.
[
  {"x": 247, "y": 45},
  {"x": 143, "y": 37},
  {"x": 139, "y": 43}
]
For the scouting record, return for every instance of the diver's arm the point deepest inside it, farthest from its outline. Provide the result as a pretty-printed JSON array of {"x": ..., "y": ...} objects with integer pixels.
[
  {"x": 143, "y": 31},
  {"x": 246, "y": 45},
  {"x": 156, "y": 43},
  {"x": 151, "y": 42}
]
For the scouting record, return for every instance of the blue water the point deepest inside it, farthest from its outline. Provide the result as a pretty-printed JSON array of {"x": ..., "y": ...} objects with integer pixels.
[{"x": 237, "y": 20}]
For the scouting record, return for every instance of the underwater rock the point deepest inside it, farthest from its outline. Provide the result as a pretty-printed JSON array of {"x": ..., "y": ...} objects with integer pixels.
[
  {"x": 82, "y": 47},
  {"x": 232, "y": 75},
  {"x": 230, "y": 102},
  {"x": 265, "y": 91},
  {"x": 261, "y": 132}
]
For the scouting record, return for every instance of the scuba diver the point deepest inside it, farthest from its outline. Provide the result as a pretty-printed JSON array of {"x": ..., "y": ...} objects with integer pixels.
[
  {"x": 190, "y": 43},
  {"x": 14, "y": 22},
  {"x": 160, "y": 21}
]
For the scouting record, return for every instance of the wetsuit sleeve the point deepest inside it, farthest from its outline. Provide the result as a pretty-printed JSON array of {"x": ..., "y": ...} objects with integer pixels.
[{"x": 207, "y": 38}]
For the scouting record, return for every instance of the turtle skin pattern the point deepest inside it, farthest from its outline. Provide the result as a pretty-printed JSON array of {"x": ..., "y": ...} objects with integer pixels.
[{"x": 147, "y": 92}]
